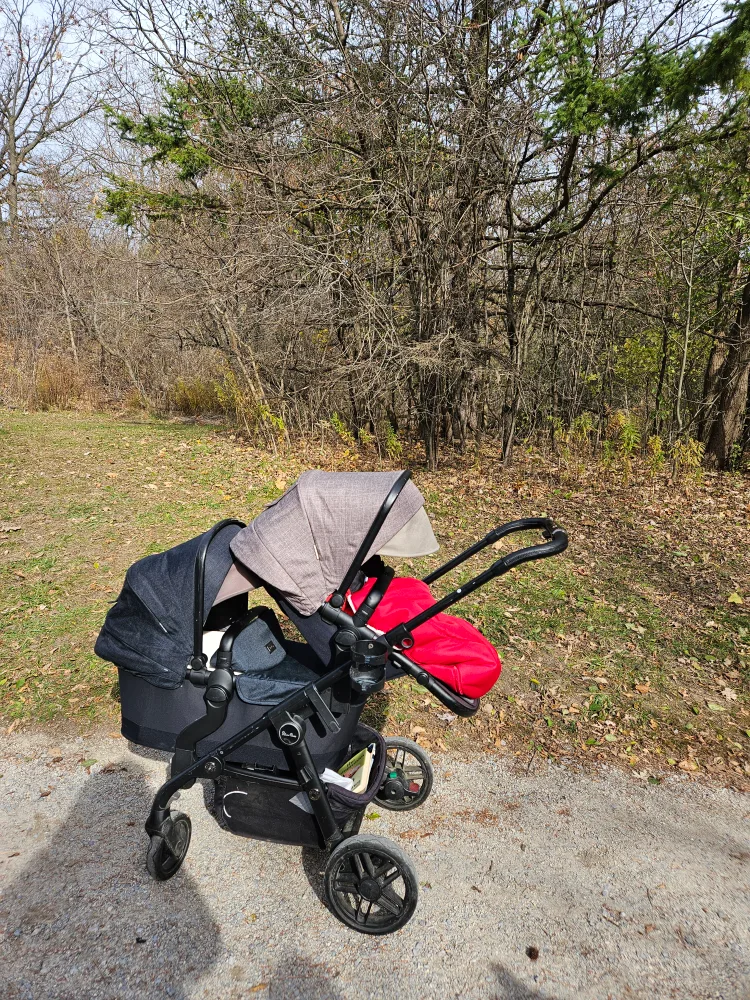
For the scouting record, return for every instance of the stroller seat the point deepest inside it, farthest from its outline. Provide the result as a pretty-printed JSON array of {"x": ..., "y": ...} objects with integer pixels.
[
  {"x": 448, "y": 648},
  {"x": 267, "y": 666},
  {"x": 154, "y": 716}
]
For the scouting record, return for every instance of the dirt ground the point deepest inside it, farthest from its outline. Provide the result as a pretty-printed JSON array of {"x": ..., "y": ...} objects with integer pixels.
[{"x": 546, "y": 885}]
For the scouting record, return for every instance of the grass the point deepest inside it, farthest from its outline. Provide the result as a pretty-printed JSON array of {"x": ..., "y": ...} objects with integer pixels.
[{"x": 632, "y": 648}]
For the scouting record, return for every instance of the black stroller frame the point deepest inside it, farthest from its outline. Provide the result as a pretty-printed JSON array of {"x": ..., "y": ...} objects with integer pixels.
[{"x": 352, "y": 882}]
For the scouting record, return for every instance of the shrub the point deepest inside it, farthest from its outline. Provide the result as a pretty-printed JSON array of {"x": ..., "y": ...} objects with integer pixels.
[
  {"x": 195, "y": 396},
  {"x": 57, "y": 384}
]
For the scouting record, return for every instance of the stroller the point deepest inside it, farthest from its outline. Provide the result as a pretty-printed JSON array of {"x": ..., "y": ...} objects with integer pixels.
[{"x": 269, "y": 719}]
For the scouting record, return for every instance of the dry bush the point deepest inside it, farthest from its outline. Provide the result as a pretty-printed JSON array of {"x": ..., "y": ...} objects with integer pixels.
[
  {"x": 57, "y": 384},
  {"x": 194, "y": 396}
]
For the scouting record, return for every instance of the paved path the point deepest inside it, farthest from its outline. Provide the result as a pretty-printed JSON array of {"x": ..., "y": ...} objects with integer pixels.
[{"x": 626, "y": 890}]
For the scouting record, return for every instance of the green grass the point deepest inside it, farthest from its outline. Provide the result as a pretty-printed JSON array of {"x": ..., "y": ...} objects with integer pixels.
[{"x": 616, "y": 650}]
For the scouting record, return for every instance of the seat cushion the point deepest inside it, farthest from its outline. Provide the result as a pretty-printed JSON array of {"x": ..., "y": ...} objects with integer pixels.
[{"x": 268, "y": 667}]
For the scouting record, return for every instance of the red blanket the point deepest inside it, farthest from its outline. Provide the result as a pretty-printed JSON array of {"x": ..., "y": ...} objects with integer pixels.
[{"x": 447, "y": 647}]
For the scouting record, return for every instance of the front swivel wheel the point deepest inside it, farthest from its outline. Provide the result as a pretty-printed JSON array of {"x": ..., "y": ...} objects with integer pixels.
[
  {"x": 371, "y": 885},
  {"x": 168, "y": 848},
  {"x": 408, "y": 775}
]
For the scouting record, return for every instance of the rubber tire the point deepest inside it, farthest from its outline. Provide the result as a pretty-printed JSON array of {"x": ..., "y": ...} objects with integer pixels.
[
  {"x": 160, "y": 861},
  {"x": 399, "y": 742},
  {"x": 381, "y": 847}
]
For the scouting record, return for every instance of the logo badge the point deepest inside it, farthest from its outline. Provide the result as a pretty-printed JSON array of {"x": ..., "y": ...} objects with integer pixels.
[
  {"x": 289, "y": 733},
  {"x": 271, "y": 647}
]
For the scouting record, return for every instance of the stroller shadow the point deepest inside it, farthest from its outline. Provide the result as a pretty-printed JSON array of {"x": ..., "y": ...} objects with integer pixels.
[
  {"x": 85, "y": 920},
  {"x": 313, "y": 865},
  {"x": 298, "y": 978},
  {"x": 509, "y": 988}
]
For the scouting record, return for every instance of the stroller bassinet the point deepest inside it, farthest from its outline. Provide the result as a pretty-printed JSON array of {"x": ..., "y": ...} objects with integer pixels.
[{"x": 236, "y": 701}]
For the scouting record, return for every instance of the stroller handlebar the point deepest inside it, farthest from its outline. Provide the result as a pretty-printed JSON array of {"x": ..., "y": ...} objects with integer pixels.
[
  {"x": 544, "y": 524},
  {"x": 400, "y": 639},
  {"x": 557, "y": 543}
]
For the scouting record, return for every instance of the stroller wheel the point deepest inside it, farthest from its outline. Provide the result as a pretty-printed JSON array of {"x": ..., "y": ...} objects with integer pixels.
[
  {"x": 164, "y": 859},
  {"x": 371, "y": 885},
  {"x": 408, "y": 775}
]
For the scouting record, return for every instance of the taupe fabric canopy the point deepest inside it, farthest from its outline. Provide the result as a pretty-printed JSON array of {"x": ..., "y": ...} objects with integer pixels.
[
  {"x": 303, "y": 543},
  {"x": 416, "y": 538}
]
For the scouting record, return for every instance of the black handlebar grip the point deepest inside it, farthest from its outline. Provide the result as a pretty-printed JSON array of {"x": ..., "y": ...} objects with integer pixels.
[{"x": 558, "y": 543}]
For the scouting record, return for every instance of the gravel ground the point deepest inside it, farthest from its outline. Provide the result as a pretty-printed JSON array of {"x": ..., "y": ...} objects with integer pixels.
[{"x": 627, "y": 891}]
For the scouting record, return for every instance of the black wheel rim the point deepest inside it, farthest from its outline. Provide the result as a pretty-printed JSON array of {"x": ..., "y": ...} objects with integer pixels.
[
  {"x": 370, "y": 892},
  {"x": 411, "y": 774},
  {"x": 168, "y": 861}
]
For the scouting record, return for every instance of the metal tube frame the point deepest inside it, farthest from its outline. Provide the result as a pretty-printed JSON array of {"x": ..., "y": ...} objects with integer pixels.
[{"x": 288, "y": 718}]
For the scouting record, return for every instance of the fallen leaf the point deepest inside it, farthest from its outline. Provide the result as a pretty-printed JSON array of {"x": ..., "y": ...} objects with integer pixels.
[
  {"x": 688, "y": 765},
  {"x": 643, "y": 688},
  {"x": 639, "y": 629},
  {"x": 112, "y": 768},
  {"x": 729, "y": 693},
  {"x": 713, "y": 707},
  {"x": 735, "y": 598}
]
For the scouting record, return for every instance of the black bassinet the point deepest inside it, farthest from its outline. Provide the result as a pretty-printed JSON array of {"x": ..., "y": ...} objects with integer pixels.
[{"x": 154, "y": 633}]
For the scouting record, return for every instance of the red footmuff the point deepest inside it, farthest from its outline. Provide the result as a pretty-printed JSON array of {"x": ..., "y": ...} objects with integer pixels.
[{"x": 449, "y": 648}]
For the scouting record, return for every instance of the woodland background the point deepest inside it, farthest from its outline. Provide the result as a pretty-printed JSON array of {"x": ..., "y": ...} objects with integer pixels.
[{"x": 441, "y": 225}]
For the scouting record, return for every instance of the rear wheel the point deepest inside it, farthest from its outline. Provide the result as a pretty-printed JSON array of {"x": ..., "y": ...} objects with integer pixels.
[
  {"x": 167, "y": 851},
  {"x": 408, "y": 775},
  {"x": 371, "y": 885}
]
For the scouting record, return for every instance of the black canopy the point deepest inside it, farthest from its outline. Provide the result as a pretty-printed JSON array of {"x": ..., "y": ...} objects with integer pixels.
[{"x": 149, "y": 628}]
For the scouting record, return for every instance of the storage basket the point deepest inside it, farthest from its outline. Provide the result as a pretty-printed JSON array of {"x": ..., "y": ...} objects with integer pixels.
[{"x": 265, "y": 812}]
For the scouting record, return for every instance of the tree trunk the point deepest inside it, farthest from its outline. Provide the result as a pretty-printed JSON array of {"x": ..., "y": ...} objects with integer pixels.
[
  {"x": 429, "y": 420},
  {"x": 13, "y": 171},
  {"x": 732, "y": 385}
]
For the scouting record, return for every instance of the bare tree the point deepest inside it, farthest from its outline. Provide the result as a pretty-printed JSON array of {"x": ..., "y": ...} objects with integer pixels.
[{"x": 48, "y": 76}]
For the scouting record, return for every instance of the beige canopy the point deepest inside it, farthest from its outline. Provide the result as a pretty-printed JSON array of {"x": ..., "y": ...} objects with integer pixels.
[{"x": 303, "y": 543}]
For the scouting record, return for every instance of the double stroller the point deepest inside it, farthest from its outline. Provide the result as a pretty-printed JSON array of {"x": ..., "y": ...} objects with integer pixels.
[{"x": 271, "y": 720}]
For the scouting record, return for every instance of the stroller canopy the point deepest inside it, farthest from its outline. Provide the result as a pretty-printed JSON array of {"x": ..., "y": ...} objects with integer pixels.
[
  {"x": 149, "y": 629},
  {"x": 304, "y": 542}
]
